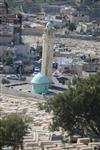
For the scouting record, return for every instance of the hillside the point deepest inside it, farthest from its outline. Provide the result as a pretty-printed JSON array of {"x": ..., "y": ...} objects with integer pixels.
[
  {"x": 86, "y": 6},
  {"x": 91, "y": 7}
]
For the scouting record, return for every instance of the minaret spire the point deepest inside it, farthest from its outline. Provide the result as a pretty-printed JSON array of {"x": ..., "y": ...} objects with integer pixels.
[{"x": 47, "y": 54}]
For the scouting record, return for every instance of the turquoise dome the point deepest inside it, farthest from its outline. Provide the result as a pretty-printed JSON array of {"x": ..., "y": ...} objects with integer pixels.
[
  {"x": 40, "y": 79},
  {"x": 40, "y": 84},
  {"x": 49, "y": 25}
]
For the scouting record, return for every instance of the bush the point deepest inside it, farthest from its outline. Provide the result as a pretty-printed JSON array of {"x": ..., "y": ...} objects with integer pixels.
[
  {"x": 5, "y": 81},
  {"x": 72, "y": 27},
  {"x": 13, "y": 127}
]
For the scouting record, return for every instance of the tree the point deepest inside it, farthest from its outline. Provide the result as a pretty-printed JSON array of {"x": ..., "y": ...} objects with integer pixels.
[
  {"x": 12, "y": 129},
  {"x": 39, "y": 51},
  {"x": 77, "y": 110},
  {"x": 5, "y": 81},
  {"x": 72, "y": 27},
  {"x": 7, "y": 57}
]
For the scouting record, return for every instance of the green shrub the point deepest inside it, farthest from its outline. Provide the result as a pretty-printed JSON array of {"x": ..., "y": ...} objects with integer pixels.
[{"x": 5, "y": 81}]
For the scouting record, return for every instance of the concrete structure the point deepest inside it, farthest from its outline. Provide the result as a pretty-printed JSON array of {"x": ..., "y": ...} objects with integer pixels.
[
  {"x": 47, "y": 54},
  {"x": 10, "y": 25},
  {"x": 51, "y": 9},
  {"x": 40, "y": 84},
  {"x": 78, "y": 18},
  {"x": 17, "y": 49},
  {"x": 3, "y": 7}
]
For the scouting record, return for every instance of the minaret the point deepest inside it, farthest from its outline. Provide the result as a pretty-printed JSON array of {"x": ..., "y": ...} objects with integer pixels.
[{"x": 47, "y": 53}]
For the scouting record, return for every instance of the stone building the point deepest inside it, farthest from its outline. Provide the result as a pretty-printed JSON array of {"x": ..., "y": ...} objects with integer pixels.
[{"x": 10, "y": 25}]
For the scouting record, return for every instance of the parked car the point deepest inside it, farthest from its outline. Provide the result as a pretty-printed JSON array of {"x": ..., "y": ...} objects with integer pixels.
[
  {"x": 55, "y": 75},
  {"x": 12, "y": 77},
  {"x": 34, "y": 73},
  {"x": 36, "y": 69}
]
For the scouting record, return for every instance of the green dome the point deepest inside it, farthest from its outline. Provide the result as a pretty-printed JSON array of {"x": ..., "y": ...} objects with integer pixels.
[
  {"x": 49, "y": 25},
  {"x": 40, "y": 79}
]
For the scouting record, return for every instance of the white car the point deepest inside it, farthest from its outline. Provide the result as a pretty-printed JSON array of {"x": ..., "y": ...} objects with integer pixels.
[
  {"x": 7, "y": 148},
  {"x": 34, "y": 73},
  {"x": 37, "y": 69},
  {"x": 12, "y": 77}
]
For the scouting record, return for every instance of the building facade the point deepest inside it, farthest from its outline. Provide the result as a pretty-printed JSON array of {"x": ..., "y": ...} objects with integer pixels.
[{"x": 10, "y": 25}]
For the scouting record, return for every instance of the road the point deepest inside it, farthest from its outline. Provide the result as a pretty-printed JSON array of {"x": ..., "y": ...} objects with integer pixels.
[{"x": 21, "y": 92}]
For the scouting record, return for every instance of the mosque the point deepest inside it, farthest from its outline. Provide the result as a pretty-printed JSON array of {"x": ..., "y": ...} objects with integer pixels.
[{"x": 42, "y": 81}]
